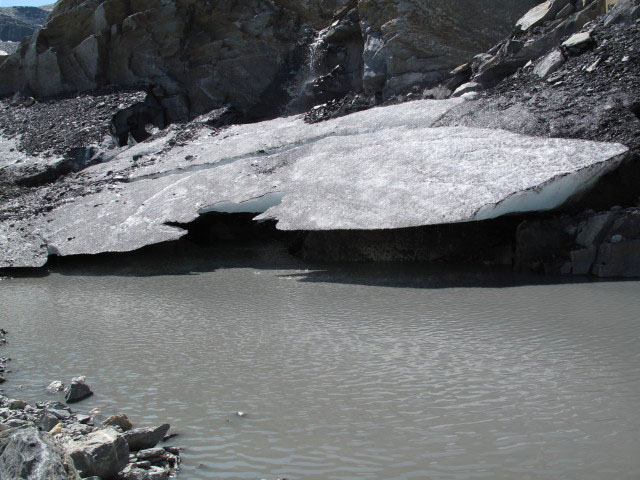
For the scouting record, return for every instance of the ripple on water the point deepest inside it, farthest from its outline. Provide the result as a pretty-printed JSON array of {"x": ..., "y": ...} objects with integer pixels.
[{"x": 344, "y": 380}]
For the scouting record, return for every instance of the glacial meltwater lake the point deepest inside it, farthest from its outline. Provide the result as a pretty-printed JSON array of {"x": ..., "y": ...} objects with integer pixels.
[{"x": 381, "y": 372}]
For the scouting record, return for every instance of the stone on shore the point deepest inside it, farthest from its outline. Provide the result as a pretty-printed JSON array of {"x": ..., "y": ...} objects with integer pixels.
[
  {"x": 46, "y": 421},
  {"x": 145, "y": 438},
  {"x": 102, "y": 453},
  {"x": 77, "y": 391},
  {"x": 56, "y": 386},
  {"x": 540, "y": 14},
  {"x": 121, "y": 421},
  {"x": 151, "y": 473},
  {"x": 578, "y": 42},
  {"x": 467, "y": 88},
  {"x": 26, "y": 453}
]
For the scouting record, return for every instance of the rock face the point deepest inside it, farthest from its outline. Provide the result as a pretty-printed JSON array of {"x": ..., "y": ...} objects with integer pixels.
[
  {"x": 606, "y": 244},
  {"x": 198, "y": 54},
  {"x": 102, "y": 453},
  {"x": 19, "y": 22},
  {"x": 201, "y": 55},
  {"x": 26, "y": 453},
  {"x": 411, "y": 42}
]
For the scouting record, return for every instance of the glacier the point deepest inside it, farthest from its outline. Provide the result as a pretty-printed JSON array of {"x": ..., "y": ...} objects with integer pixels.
[{"x": 383, "y": 168}]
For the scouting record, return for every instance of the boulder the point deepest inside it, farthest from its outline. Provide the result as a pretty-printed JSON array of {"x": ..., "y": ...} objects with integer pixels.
[
  {"x": 56, "y": 386},
  {"x": 26, "y": 453},
  {"x": 17, "y": 404},
  {"x": 46, "y": 421},
  {"x": 540, "y": 14},
  {"x": 151, "y": 453},
  {"x": 102, "y": 453},
  {"x": 145, "y": 438},
  {"x": 77, "y": 391},
  {"x": 549, "y": 64},
  {"x": 121, "y": 421},
  {"x": 577, "y": 43},
  {"x": 467, "y": 88}
]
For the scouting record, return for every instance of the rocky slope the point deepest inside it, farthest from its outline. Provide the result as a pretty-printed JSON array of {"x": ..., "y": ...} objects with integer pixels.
[
  {"x": 248, "y": 54},
  {"x": 19, "y": 22}
]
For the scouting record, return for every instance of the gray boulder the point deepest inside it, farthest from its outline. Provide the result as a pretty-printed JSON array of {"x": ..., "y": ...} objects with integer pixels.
[
  {"x": 102, "y": 453},
  {"x": 46, "y": 420},
  {"x": 549, "y": 64},
  {"x": 467, "y": 88},
  {"x": 26, "y": 453},
  {"x": 77, "y": 391},
  {"x": 151, "y": 453},
  {"x": 578, "y": 42},
  {"x": 540, "y": 14},
  {"x": 145, "y": 438}
]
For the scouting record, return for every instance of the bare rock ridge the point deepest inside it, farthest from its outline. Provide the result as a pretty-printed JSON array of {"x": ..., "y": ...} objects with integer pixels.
[
  {"x": 200, "y": 54},
  {"x": 19, "y": 22}
]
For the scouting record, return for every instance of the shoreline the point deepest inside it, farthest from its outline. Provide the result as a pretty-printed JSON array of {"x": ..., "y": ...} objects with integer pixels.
[{"x": 51, "y": 440}]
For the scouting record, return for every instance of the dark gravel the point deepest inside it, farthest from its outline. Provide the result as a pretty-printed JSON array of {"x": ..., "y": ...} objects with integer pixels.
[{"x": 57, "y": 125}]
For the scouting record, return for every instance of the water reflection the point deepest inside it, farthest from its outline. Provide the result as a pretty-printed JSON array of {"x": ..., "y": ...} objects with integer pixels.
[{"x": 344, "y": 375}]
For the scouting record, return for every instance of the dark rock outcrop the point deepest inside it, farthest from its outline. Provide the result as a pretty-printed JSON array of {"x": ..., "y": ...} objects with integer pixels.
[
  {"x": 203, "y": 55},
  {"x": 77, "y": 391},
  {"x": 605, "y": 244}
]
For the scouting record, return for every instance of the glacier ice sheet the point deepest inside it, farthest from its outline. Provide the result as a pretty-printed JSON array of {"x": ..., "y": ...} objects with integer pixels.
[{"x": 377, "y": 169}]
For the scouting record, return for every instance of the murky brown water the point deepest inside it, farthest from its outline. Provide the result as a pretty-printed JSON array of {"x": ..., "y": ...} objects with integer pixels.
[{"x": 413, "y": 376}]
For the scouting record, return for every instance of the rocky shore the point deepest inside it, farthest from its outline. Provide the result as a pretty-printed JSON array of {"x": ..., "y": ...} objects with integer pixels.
[{"x": 48, "y": 440}]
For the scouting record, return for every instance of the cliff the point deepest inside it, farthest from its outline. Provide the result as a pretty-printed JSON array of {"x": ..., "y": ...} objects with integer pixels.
[{"x": 202, "y": 54}]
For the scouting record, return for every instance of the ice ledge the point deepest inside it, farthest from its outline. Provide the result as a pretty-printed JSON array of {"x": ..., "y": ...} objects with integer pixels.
[{"x": 383, "y": 168}]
